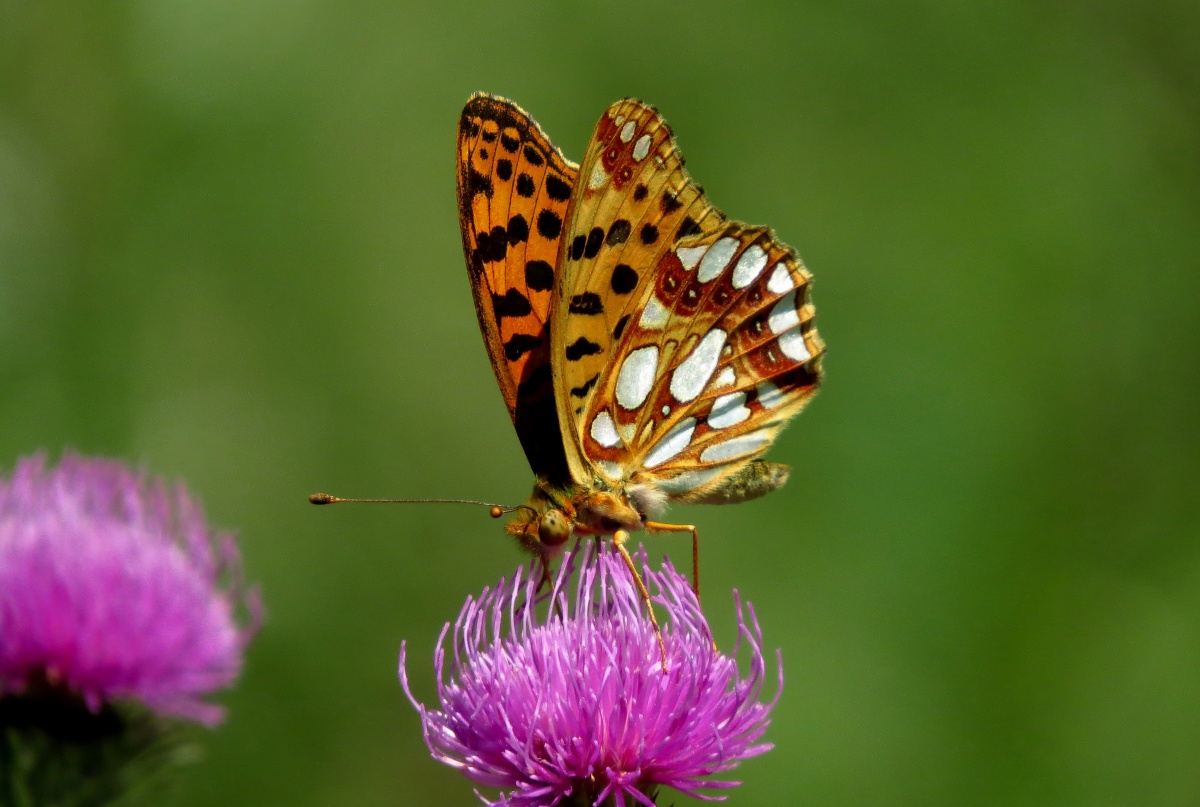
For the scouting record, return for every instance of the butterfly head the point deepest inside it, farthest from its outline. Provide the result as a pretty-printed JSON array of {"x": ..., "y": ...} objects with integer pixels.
[
  {"x": 552, "y": 515},
  {"x": 545, "y": 522}
]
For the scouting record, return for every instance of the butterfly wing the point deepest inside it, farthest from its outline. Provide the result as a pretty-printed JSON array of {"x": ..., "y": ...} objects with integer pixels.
[
  {"x": 514, "y": 187},
  {"x": 682, "y": 341}
]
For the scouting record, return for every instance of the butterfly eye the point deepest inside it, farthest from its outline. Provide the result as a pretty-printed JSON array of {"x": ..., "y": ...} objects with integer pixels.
[{"x": 553, "y": 528}]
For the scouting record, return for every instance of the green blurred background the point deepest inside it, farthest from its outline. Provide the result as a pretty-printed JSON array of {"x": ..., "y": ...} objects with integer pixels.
[{"x": 229, "y": 251}]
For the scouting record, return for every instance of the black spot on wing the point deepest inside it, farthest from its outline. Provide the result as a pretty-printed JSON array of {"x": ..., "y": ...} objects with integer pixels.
[
  {"x": 491, "y": 246},
  {"x": 533, "y": 156},
  {"x": 582, "y": 391},
  {"x": 510, "y": 143},
  {"x": 511, "y": 304},
  {"x": 477, "y": 183},
  {"x": 577, "y": 247},
  {"x": 520, "y": 344},
  {"x": 581, "y": 347},
  {"x": 688, "y": 227},
  {"x": 525, "y": 186},
  {"x": 639, "y": 193},
  {"x": 595, "y": 237},
  {"x": 539, "y": 276},
  {"x": 624, "y": 279},
  {"x": 649, "y": 234},
  {"x": 588, "y": 303},
  {"x": 549, "y": 224},
  {"x": 618, "y": 233},
  {"x": 557, "y": 189},
  {"x": 518, "y": 230},
  {"x": 670, "y": 203},
  {"x": 620, "y": 329},
  {"x": 504, "y": 169}
]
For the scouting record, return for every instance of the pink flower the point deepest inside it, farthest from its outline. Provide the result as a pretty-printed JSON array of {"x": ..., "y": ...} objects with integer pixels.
[
  {"x": 577, "y": 707},
  {"x": 113, "y": 587}
]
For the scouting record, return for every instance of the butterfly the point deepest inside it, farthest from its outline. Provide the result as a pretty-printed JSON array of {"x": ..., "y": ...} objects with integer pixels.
[{"x": 648, "y": 348}]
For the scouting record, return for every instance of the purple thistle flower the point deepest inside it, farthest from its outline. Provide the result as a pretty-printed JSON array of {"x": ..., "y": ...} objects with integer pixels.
[
  {"x": 113, "y": 587},
  {"x": 576, "y": 706}
]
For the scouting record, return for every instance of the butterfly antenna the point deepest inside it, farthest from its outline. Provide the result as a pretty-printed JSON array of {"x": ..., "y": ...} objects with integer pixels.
[{"x": 496, "y": 510}]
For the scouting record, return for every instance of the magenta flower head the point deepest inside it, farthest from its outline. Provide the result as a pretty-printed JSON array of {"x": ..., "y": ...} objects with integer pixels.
[
  {"x": 113, "y": 588},
  {"x": 575, "y": 708}
]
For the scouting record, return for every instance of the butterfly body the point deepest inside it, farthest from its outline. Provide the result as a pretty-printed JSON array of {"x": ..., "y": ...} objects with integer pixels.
[{"x": 649, "y": 349}]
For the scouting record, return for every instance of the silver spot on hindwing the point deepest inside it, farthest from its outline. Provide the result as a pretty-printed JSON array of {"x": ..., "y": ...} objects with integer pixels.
[
  {"x": 641, "y": 148},
  {"x": 738, "y": 446},
  {"x": 749, "y": 266},
  {"x": 671, "y": 444},
  {"x": 716, "y": 259},
  {"x": 636, "y": 377},
  {"x": 693, "y": 373},
  {"x": 604, "y": 431},
  {"x": 728, "y": 410},
  {"x": 780, "y": 279}
]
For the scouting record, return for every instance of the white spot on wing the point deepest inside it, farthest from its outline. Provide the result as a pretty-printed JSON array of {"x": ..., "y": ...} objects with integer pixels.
[
  {"x": 780, "y": 280},
  {"x": 637, "y": 376},
  {"x": 716, "y": 259},
  {"x": 604, "y": 431},
  {"x": 641, "y": 148},
  {"x": 666, "y": 410},
  {"x": 690, "y": 256},
  {"x": 690, "y": 377},
  {"x": 784, "y": 314},
  {"x": 793, "y": 346},
  {"x": 627, "y": 131},
  {"x": 728, "y": 410},
  {"x": 688, "y": 480},
  {"x": 654, "y": 315},
  {"x": 598, "y": 178},
  {"x": 769, "y": 395},
  {"x": 673, "y": 442},
  {"x": 738, "y": 446},
  {"x": 749, "y": 266},
  {"x": 725, "y": 378}
]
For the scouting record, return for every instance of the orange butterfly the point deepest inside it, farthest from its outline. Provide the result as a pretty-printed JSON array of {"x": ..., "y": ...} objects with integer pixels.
[{"x": 648, "y": 348}]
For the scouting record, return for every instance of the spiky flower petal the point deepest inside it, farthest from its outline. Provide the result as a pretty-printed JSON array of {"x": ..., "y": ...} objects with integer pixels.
[{"x": 576, "y": 708}]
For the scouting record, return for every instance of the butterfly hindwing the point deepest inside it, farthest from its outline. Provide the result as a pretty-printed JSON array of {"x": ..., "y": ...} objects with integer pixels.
[
  {"x": 729, "y": 333},
  {"x": 514, "y": 187},
  {"x": 633, "y": 200},
  {"x": 682, "y": 341}
]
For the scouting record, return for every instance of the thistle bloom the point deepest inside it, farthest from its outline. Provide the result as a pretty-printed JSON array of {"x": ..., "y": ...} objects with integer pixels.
[
  {"x": 112, "y": 587},
  {"x": 575, "y": 708}
]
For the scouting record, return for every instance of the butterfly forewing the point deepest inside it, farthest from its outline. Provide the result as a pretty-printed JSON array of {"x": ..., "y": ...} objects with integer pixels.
[
  {"x": 683, "y": 343},
  {"x": 632, "y": 202},
  {"x": 514, "y": 188}
]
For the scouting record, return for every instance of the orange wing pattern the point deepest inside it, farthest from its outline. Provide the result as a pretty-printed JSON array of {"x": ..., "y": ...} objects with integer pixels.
[
  {"x": 682, "y": 342},
  {"x": 513, "y": 191}
]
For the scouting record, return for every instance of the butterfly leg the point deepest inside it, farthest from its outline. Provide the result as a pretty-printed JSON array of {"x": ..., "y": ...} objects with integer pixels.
[
  {"x": 619, "y": 539},
  {"x": 654, "y": 526}
]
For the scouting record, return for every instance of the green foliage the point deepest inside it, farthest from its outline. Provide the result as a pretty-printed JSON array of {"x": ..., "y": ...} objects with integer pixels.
[{"x": 55, "y": 754}]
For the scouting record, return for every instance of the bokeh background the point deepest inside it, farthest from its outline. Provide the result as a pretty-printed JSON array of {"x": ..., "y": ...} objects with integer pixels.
[{"x": 229, "y": 251}]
